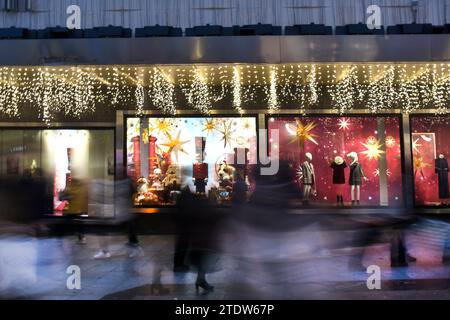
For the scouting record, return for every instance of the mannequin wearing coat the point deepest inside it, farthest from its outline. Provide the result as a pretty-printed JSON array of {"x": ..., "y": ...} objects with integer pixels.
[
  {"x": 308, "y": 178},
  {"x": 441, "y": 169},
  {"x": 356, "y": 177}
]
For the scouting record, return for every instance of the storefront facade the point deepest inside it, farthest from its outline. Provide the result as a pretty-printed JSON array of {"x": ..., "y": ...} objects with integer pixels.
[{"x": 381, "y": 98}]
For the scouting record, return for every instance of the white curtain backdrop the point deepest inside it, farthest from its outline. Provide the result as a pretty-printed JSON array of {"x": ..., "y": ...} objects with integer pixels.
[{"x": 188, "y": 13}]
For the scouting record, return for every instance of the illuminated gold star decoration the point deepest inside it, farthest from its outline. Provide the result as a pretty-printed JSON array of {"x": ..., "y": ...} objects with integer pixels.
[
  {"x": 373, "y": 150},
  {"x": 209, "y": 126},
  {"x": 302, "y": 132},
  {"x": 371, "y": 140},
  {"x": 160, "y": 126},
  {"x": 390, "y": 142},
  {"x": 247, "y": 125},
  {"x": 416, "y": 145},
  {"x": 419, "y": 165},
  {"x": 227, "y": 133},
  {"x": 344, "y": 123},
  {"x": 175, "y": 145}
]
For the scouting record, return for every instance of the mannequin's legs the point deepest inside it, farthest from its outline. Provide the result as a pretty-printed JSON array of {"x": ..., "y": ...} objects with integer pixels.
[
  {"x": 340, "y": 194},
  {"x": 358, "y": 193},
  {"x": 352, "y": 191},
  {"x": 306, "y": 193}
]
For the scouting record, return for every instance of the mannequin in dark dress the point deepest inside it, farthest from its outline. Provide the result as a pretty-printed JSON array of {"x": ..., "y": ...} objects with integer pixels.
[
  {"x": 442, "y": 172},
  {"x": 338, "y": 166}
]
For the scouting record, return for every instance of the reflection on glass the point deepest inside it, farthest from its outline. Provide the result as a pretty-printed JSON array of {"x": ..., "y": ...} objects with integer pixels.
[{"x": 76, "y": 164}]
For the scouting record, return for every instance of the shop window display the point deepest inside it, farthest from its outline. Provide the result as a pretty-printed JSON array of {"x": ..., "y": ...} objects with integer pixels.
[
  {"x": 77, "y": 167},
  {"x": 430, "y": 149},
  {"x": 208, "y": 155},
  {"x": 342, "y": 160}
]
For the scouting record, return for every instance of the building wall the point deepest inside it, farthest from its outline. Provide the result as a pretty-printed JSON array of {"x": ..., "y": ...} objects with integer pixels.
[{"x": 188, "y": 13}]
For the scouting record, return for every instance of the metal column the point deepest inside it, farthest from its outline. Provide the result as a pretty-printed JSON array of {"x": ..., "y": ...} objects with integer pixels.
[{"x": 408, "y": 178}]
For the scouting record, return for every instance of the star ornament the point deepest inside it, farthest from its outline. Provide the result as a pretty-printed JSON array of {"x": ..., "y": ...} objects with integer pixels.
[
  {"x": 390, "y": 142},
  {"x": 373, "y": 150},
  {"x": 227, "y": 133},
  {"x": 344, "y": 124},
  {"x": 419, "y": 165},
  {"x": 247, "y": 125},
  {"x": 302, "y": 132},
  {"x": 416, "y": 145},
  {"x": 175, "y": 145},
  {"x": 160, "y": 126},
  {"x": 209, "y": 126},
  {"x": 371, "y": 140}
]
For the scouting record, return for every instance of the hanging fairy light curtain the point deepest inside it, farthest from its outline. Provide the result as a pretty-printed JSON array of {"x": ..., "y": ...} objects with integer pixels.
[
  {"x": 162, "y": 91},
  {"x": 343, "y": 92},
  {"x": 77, "y": 92},
  {"x": 196, "y": 90},
  {"x": 381, "y": 93}
]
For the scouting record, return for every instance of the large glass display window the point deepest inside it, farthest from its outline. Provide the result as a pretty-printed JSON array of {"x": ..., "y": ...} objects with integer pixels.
[
  {"x": 75, "y": 166},
  {"x": 353, "y": 160},
  {"x": 208, "y": 155},
  {"x": 430, "y": 149}
]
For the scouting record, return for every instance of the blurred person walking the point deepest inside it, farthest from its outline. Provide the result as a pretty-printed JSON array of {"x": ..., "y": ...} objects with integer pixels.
[{"x": 197, "y": 243}]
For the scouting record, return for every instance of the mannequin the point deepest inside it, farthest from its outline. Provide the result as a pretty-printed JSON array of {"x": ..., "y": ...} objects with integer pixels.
[
  {"x": 338, "y": 166},
  {"x": 356, "y": 177},
  {"x": 308, "y": 178},
  {"x": 442, "y": 172}
]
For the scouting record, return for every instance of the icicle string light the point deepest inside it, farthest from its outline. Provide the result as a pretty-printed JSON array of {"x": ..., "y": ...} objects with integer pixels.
[
  {"x": 78, "y": 91},
  {"x": 237, "y": 101},
  {"x": 273, "y": 96},
  {"x": 161, "y": 92}
]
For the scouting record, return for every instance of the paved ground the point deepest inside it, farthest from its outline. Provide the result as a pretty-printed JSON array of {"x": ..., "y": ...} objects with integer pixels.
[{"x": 258, "y": 265}]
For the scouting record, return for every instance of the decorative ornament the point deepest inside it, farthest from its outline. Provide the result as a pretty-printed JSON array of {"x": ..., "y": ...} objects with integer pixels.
[
  {"x": 344, "y": 124},
  {"x": 209, "y": 126},
  {"x": 373, "y": 150},
  {"x": 390, "y": 142},
  {"x": 419, "y": 165},
  {"x": 175, "y": 145},
  {"x": 247, "y": 125},
  {"x": 227, "y": 133},
  {"x": 241, "y": 141},
  {"x": 302, "y": 132},
  {"x": 160, "y": 125},
  {"x": 416, "y": 145},
  {"x": 371, "y": 140}
]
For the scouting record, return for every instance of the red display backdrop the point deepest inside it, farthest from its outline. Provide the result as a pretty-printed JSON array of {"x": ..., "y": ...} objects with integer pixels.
[
  {"x": 430, "y": 136},
  {"x": 327, "y": 137}
]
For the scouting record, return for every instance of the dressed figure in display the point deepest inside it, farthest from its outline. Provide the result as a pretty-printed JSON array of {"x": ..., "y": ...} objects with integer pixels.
[
  {"x": 338, "y": 166},
  {"x": 441, "y": 169},
  {"x": 308, "y": 178},
  {"x": 356, "y": 177}
]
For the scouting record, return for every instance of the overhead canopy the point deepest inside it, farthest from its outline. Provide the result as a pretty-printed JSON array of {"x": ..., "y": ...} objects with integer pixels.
[{"x": 253, "y": 49}]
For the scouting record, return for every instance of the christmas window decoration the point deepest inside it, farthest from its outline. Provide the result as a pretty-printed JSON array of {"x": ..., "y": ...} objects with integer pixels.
[
  {"x": 166, "y": 155},
  {"x": 342, "y": 160}
]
